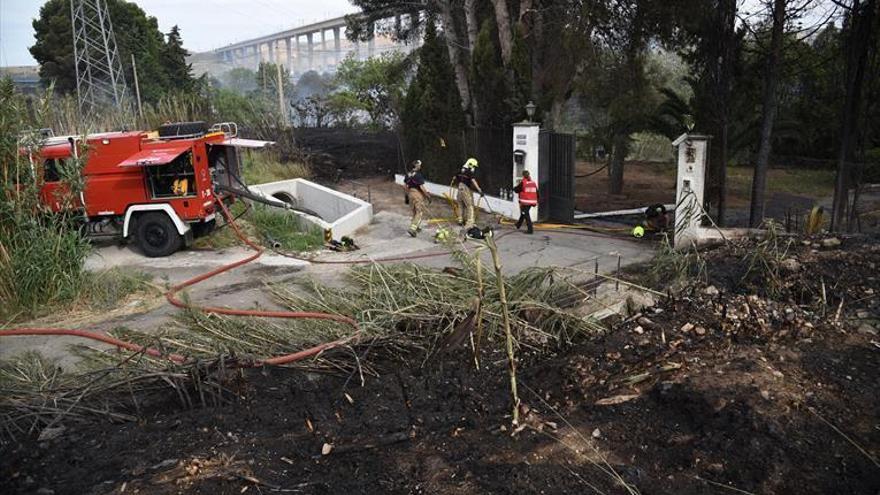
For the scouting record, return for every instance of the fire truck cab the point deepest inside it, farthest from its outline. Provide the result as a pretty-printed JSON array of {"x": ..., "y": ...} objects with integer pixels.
[{"x": 158, "y": 189}]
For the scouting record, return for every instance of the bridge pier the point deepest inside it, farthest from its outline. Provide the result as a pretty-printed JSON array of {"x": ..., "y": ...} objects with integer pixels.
[
  {"x": 323, "y": 50},
  {"x": 311, "y": 50},
  {"x": 302, "y": 58},
  {"x": 337, "y": 48},
  {"x": 299, "y": 55}
]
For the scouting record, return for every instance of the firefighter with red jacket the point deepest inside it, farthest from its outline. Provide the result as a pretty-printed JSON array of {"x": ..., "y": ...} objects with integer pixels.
[{"x": 527, "y": 191}]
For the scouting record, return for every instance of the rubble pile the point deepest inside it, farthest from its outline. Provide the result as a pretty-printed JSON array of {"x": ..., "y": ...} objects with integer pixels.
[
  {"x": 823, "y": 289},
  {"x": 743, "y": 376}
]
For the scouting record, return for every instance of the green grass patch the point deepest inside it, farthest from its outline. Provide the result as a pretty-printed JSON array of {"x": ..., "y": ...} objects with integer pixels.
[
  {"x": 274, "y": 225},
  {"x": 262, "y": 167},
  {"x": 105, "y": 290},
  {"x": 265, "y": 225}
]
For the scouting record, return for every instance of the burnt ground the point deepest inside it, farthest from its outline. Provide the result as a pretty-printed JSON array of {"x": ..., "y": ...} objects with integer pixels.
[
  {"x": 735, "y": 383},
  {"x": 791, "y": 192}
]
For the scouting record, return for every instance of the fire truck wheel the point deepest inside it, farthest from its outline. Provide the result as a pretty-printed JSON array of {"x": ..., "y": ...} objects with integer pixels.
[{"x": 156, "y": 235}]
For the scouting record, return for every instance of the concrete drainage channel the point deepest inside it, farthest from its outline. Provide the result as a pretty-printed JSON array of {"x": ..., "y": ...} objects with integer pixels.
[{"x": 341, "y": 214}]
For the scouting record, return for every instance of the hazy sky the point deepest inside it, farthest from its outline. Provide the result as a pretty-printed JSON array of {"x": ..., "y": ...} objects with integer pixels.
[
  {"x": 204, "y": 24},
  {"x": 207, "y": 24}
]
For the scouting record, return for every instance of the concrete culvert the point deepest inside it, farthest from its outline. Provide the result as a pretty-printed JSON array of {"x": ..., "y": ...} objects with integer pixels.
[{"x": 284, "y": 197}]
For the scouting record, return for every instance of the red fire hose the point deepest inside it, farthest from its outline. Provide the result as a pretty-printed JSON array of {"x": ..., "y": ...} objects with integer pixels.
[
  {"x": 94, "y": 336},
  {"x": 171, "y": 295}
]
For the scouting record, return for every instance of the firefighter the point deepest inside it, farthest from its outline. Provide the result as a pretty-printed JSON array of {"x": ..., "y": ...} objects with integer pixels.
[
  {"x": 467, "y": 185},
  {"x": 180, "y": 186},
  {"x": 417, "y": 195},
  {"x": 527, "y": 191},
  {"x": 657, "y": 218}
]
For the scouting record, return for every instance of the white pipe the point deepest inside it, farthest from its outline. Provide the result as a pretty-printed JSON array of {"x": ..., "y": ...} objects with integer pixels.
[{"x": 617, "y": 213}]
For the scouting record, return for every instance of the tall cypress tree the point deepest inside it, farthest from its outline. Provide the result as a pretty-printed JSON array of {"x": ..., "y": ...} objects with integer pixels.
[
  {"x": 432, "y": 116},
  {"x": 491, "y": 84},
  {"x": 174, "y": 61}
]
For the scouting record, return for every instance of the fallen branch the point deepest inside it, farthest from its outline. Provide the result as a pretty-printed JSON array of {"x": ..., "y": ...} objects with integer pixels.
[{"x": 844, "y": 435}]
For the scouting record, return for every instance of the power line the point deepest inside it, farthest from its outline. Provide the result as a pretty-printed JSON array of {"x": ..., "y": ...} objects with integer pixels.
[{"x": 99, "y": 76}]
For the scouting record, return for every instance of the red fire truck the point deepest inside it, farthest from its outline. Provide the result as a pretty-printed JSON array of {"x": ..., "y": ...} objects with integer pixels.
[{"x": 155, "y": 188}]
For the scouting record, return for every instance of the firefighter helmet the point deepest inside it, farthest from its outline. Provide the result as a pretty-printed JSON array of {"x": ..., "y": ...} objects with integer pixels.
[
  {"x": 443, "y": 235},
  {"x": 471, "y": 163},
  {"x": 638, "y": 231}
]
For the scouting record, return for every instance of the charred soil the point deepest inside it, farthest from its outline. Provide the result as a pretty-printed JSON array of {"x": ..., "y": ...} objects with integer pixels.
[{"x": 721, "y": 386}]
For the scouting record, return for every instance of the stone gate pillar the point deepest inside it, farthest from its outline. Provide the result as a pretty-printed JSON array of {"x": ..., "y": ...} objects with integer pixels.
[{"x": 690, "y": 187}]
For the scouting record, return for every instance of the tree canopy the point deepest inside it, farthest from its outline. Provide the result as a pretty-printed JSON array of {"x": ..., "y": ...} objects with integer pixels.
[
  {"x": 776, "y": 83},
  {"x": 161, "y": 64}
]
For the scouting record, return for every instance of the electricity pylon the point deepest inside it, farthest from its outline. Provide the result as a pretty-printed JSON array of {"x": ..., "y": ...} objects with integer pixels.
[{"x": 99, "y": 77}]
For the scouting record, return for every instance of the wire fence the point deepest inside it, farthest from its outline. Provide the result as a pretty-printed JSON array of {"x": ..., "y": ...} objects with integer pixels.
[
  {"x": 340, "y": 153},
  {"x": 443, "y": 156}
]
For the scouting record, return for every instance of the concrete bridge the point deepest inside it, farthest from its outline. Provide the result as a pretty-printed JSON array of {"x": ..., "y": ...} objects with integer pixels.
[{"x": 320, "y": 46}]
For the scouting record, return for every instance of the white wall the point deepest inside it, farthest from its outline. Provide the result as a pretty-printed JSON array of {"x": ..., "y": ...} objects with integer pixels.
[{"x": 491, "y": 204}]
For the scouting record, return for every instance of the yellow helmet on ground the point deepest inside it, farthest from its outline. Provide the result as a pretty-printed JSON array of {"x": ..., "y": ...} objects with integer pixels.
[
  {"x": 638, "y": 231},
  {"x": 443, "y": 235},
  {"x": 471, "y": 163}
]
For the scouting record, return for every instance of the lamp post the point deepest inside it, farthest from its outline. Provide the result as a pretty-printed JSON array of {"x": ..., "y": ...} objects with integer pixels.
[{"x": 530, "y": 110}]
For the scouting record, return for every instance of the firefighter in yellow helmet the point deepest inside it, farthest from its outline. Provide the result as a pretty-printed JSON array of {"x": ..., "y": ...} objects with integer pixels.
[{"x": 466, "y": 183}]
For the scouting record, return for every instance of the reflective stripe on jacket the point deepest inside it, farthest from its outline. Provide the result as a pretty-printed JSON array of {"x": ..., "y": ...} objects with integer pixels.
[{"x": 529, "y": 193}]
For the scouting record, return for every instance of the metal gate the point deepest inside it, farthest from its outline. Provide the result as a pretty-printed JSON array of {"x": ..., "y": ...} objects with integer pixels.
[{"x": 556, "y": 173}]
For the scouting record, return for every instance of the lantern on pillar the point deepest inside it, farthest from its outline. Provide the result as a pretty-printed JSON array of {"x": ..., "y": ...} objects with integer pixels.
[{"x": 530, "y": 110}]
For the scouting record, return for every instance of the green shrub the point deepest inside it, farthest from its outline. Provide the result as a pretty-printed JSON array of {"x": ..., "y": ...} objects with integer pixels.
[
  {"x": 41, "y": 253},
  {"x": 41, "y": 261}
]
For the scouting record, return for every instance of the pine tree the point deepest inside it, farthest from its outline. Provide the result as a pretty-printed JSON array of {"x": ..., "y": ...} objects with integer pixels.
[{"x": 174, "y": 61}]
